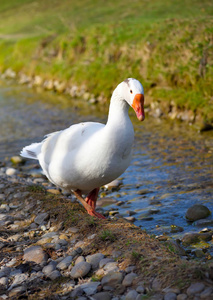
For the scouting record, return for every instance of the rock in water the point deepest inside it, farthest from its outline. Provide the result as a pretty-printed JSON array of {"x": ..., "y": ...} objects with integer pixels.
[{"x": 197, "y": 212}]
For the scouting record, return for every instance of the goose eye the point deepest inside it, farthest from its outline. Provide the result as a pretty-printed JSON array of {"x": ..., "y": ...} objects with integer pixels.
[{"x": 131, "y": 91}]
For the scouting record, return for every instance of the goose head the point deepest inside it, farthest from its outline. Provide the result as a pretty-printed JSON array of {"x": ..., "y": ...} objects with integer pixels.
[{"x": 131, "y": 90}]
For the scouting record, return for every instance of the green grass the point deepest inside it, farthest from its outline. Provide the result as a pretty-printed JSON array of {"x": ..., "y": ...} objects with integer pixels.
[
  {"x": 99, "y": 43},
  {"x": 107, "y": 235}
]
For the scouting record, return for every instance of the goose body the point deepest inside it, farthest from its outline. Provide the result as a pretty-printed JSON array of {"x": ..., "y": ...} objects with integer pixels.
[{"x": 86, "y": 156}]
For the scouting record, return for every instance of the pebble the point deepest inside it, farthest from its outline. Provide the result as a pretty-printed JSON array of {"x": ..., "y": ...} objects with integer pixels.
[
  {"x": 65, "y": 263},
  {"x": 11, "y": 171},
  {"x": 182, "y": 297},
  {"x": 18, "y": 279},
  {"x": 54, "y": 275},
  {"x": 47, "y": 270},
  {"x": 128, "y": 279},
  {"x": 195, "y": 288},
  {"x": 208, "y": 291},
  {"x": 112, "y": 279},
  {"x": 102, "y": 296},
  {"x": 105, "y": 202},
  {"x": 41, "y": 218},
  {"x": 94, "y": 260},
  {"x": 131, "y": 295},
  {"x": 80, "y": 270},
  {"x": 90, "y": 288},
  {"x": 170, "y": 296},
  {"x": 17, "y": 291},
  {"x": 3, "y": 282},
  {"x": 111, "y": 266},
  {"x": 36, "y": 254},
  {"x": 79, "y": 259},
  {"x": 104, "y": 261},
  {"x": 140, "y": 289}
]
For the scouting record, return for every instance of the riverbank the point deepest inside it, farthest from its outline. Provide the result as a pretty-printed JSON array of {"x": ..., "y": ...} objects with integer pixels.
[
  {"x": 51, "y": 249},
  {"x": 86, "y": 49}
]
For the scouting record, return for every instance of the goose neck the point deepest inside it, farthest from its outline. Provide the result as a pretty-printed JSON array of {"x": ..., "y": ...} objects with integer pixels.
[{"x": 118, "y": 109}]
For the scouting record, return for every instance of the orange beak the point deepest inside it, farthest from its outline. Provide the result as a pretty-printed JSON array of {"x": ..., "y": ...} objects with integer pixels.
[{"x": 138, "y": 106}]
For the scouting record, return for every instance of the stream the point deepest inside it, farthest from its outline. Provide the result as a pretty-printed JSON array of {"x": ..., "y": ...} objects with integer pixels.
[{"x": 172, "y": 166}]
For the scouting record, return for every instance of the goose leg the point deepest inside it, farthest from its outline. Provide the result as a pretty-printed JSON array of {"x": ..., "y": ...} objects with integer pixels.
[
  {"x": 91, "y": 211},
  {"x": 92, "y": 198}
]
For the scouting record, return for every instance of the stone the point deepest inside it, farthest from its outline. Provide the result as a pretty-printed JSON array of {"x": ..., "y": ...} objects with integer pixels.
[
  {"x": 130, "y": 269},
  {"x": 111, "y": 266},
  {"x": 171, "y": 290},
  {"x": 73, "y": 230},
  {"x": 11, "y": 171},
  {"x": 49, "y": 268},
  {"x": 76, "y": 292},
  {"x": 130, "y": 219},
  {"x": 103, "y": 202},
  {"x": 131, "y": 295},
  {"x": 112, "y": 279},
  {"x": 102, "y": 296},
  {"x": 37, "y": 80},
  {"x": 36, "y": 254},
  {"x": 80, "y": 270},
  {"x": 204, "y": 222},
  {"x": 175, "y": 229},
  {"x": 170, "y": 296},
  {"x": 94, "y": 260},
  {"x": 17, "y": 291},
  {"x": 104, "y": 261},
  {"x": 65, "y": 263},
  {"x": 157, "y": 296},
  {"x": 182, "y": 297},
  {"x": 3, "y": 282},
  {"x": 156, "y": 285},
  {"x": 90, "y": 288},
  {"x": 206, "y": 293},
  {"x": 18, "y": 280},
  {"x": 2, "y": 197},
  {"x": 50, "y": 234},
  {"x": 54, "y": 275},
  {"x": 196, "y": 212},
  {"x": 9, "y": 73},
  {"x": 17, "y": 160},
  {"x": 176, "y": 248},
  {"x": 140, "y": 289},
  {"x": 190, "y": 238},
  {"x": 24, "y": 79},
  {"x": 198, "y": 253},
  {"x": 116, "y": 253},
  {"x": 128, "y": 279},
  {"x": 79, "y": 259},
  {"x": 48, "y": 84},
  {"x": 41, "y": 218},
  {"x": 195, "y": 288},
  {"x": 44, "y": 241},
  {"x": 113, "y": 212}
]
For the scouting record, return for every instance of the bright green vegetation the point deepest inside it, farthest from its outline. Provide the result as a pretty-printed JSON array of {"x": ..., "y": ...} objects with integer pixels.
[{"x": 167, "y": 44}]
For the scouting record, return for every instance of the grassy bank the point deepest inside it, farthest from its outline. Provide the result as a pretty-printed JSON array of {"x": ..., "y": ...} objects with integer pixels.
[{"x": 166, "y": 44}]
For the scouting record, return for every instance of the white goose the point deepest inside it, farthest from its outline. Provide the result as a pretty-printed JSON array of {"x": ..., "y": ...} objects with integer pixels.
[{"x": 86, "y": 156}]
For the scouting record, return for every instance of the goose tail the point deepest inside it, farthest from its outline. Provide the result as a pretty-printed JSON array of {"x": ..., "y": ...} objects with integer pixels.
[{"x": 31, "y": 151}]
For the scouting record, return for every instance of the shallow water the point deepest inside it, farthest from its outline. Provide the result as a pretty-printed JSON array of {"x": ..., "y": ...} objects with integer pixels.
[{"x": 172, "y": 166}]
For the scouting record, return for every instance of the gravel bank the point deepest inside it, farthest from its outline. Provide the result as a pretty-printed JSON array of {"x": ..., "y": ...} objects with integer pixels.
[{"x": 51, "y": 249}]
